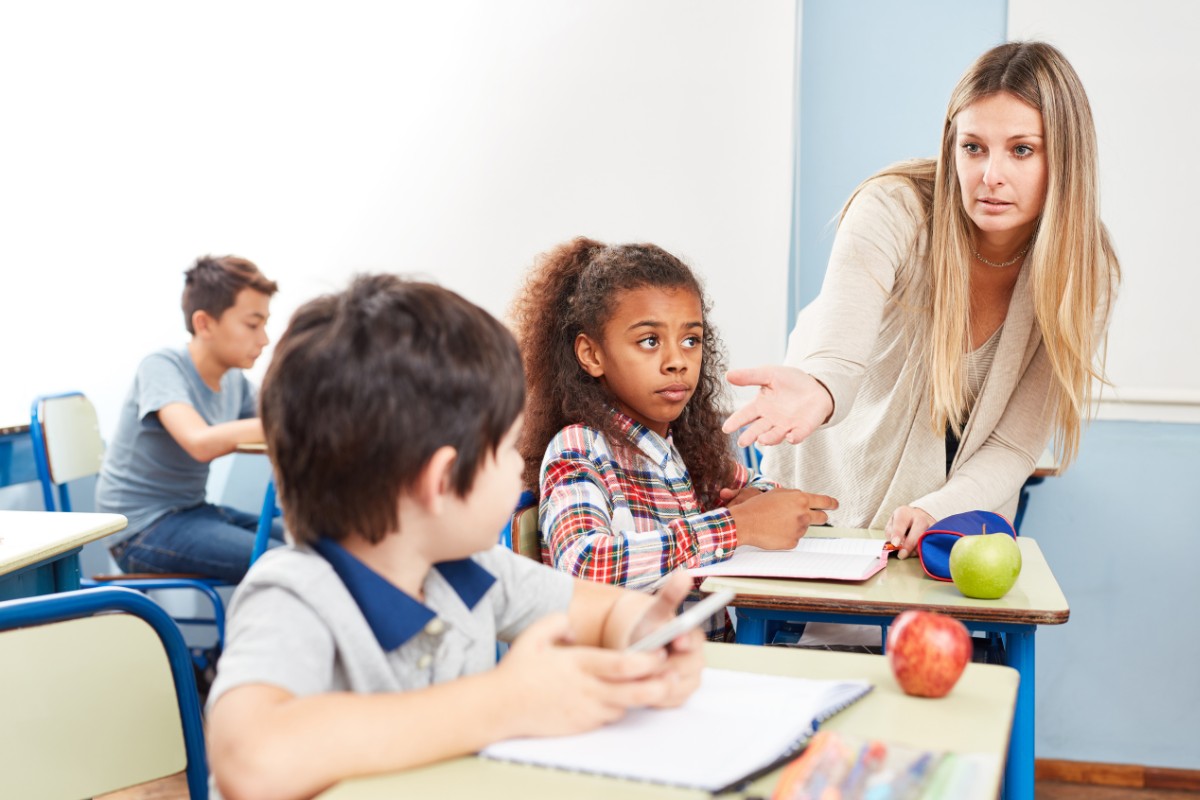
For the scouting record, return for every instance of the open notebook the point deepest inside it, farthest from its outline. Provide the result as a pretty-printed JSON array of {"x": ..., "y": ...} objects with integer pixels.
[
  {"x": 743, "y": 721},
  {"x": 814, "y": 557}
]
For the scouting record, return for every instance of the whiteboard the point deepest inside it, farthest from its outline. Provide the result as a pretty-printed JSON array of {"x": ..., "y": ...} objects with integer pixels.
[{"x": 1140, "y": 67}]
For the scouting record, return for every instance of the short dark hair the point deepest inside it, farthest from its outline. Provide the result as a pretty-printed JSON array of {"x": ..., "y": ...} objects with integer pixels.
[
  {"x": 213, "y": 283},
  {"x": 365, "y": 385}
]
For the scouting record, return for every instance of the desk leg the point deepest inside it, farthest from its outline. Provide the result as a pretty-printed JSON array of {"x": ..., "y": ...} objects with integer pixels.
[
  {"x": 1018, "y": 773},
  {"x": 66, "y": 572},
  {"x": 751, "y": 628}
]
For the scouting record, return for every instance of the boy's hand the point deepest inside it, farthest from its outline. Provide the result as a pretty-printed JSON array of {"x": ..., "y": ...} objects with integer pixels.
[
  {"x": 559, "y": 688},
  {"x": 777, "y": 520},
  {"x": 685, "y": 653}
]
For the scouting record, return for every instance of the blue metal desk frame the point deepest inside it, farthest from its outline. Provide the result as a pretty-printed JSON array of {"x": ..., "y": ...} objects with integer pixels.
[{"x": 1020, "y": 652}]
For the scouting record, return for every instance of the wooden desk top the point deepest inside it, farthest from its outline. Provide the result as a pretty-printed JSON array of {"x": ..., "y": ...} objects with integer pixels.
[
  {"x": 1036, "y": 599},
  {"x": 11, "y": 428},
  {"x": 975, "y": 717},
  {"x": 28, "y": 537}
]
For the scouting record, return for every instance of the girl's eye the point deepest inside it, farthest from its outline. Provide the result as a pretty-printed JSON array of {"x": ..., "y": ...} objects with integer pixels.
[
  {"x": 648, "y": 342},
  {"x": 691, "y": 341},
  {"x": 1023, "y": 151}
]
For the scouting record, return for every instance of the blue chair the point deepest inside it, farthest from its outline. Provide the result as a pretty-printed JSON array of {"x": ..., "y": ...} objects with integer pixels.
[
  {"x": 95, "y": 701},
  {"x": 67, "y": 445}
]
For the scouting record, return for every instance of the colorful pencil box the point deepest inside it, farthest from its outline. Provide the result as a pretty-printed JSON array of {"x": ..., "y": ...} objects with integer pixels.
[{"x": 934, "y": 545}]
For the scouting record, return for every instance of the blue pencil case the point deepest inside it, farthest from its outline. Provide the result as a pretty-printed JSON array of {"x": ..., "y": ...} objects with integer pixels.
[{"x": 934, "y": 545}]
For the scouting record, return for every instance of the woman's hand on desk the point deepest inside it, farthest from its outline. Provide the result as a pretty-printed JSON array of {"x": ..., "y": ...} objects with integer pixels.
[
  {"x": 790, "y": 405},
  {"x": 905, "y": 528}
]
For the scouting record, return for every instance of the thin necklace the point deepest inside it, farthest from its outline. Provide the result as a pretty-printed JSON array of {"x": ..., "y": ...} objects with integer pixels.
[{"x": 1008, "y": 263}]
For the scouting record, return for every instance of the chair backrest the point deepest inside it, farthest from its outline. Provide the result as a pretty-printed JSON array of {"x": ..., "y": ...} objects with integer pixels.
[
  {"x": 66, "y": 443},
  {"x": 526, "y": 539},
  {"x": 94, "y": 702}
]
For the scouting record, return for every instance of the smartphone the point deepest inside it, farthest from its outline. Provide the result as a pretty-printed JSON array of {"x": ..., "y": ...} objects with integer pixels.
[{"x": 683, "y": 623}]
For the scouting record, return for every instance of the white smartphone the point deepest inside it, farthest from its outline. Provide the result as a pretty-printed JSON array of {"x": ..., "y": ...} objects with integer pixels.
[{"x": 665, "y": 634}]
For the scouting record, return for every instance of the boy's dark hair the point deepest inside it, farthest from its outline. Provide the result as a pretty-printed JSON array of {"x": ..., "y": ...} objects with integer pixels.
[
  {"x": 212, "y": 285},
  {"x": 574, "y": 289},
  {"x": 365, "y": 385}
]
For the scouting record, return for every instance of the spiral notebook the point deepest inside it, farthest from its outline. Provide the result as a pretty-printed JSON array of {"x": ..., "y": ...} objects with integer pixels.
[{"x": 743, "y": 721}]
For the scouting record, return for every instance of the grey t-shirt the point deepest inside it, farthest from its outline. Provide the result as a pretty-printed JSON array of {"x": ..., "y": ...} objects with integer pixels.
[
  {"x": 146, "y": 473},
  {"x": 293, "y": 624}
]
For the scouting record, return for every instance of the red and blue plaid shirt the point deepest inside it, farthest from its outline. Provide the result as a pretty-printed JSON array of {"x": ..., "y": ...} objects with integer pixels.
[{"x": 628, "y": 518}]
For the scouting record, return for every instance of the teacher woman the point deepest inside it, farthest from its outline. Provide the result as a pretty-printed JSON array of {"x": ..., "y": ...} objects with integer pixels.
[{"x": 959, "y": 323}]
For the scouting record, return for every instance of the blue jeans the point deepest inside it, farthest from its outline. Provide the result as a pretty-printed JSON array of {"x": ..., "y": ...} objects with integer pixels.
[{"x": 214, "y": 541}]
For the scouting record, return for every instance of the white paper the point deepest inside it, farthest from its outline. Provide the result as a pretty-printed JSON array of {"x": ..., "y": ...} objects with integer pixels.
[
  {"x": 831, "y": 559},
  {"x": 750, "y": 720}
]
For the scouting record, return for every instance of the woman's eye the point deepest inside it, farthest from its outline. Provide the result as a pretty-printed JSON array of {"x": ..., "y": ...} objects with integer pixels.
[
  {"x": 1023, "y": 150},
  {"x": 972, "y": 148}
]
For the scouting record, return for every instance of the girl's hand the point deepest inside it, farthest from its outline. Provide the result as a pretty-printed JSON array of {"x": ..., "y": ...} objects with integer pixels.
[
  {"x": 905, "y": 528},
  {"x": 790, "y": 405},
  {"x": 732, "y": 497},
  {"x": 776, "y": 520}
]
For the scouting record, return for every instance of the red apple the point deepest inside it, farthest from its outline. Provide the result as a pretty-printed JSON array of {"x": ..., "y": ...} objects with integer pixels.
[{"x": 928, "y": 652}]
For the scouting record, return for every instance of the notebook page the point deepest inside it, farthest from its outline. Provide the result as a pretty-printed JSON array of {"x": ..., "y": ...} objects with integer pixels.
[
  {"x": 834, "y": 559},
  {"x": 749, "y": 719}
]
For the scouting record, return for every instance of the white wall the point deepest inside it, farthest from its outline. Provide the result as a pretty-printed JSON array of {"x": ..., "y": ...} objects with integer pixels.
[
  {"x": 454, "y": 139},
  {"x": 1138, "y": 63}
]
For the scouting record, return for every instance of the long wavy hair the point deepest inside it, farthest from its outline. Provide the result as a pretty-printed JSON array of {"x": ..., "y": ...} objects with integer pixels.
[
  {"x": 1074, "y": 271},
  {"x": 574, "y": 289}
]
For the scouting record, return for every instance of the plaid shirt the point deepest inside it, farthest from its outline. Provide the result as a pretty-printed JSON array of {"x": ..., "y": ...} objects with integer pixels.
[{"x": 606, "y": 518}]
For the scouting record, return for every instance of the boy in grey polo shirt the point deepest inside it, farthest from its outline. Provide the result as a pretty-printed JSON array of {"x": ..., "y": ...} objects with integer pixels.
[
  {"x": 392, "y": 413},
  {"x": 187, "y": 406}
]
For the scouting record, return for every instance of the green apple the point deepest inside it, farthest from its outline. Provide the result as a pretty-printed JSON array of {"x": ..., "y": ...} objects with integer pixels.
[{"x": 985, "y": 566}]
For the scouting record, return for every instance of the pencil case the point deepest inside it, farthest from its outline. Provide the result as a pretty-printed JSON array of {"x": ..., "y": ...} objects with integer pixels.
[{"x": 934, "y": 546}]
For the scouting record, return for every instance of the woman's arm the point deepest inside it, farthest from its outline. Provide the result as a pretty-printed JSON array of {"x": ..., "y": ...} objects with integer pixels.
[
  {"x": 834, "y": 336},
  {"x": 994, "y": 474}
]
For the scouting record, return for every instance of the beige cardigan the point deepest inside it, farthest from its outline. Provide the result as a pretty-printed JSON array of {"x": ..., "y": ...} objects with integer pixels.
[{"x": 861, "y": 338}]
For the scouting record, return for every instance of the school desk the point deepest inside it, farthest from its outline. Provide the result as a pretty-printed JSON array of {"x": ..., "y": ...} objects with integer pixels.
[
  {"x": 39, "y": 550},
  {"x": 1035, "y": 600},
  {"x": 975, "y": 717},
  {"x": 270, "y": 507}
]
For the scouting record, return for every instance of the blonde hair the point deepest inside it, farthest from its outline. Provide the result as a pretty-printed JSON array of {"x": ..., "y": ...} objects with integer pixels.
[{"x": 1073, "y": 270}]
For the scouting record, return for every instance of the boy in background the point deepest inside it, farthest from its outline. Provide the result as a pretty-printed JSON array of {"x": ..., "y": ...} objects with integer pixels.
[
  {"x": 392, "y": 413},
  {"x": 187, "y": 406}
]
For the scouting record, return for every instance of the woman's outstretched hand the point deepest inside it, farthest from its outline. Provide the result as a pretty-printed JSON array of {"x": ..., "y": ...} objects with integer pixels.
[{"x": 790, "y": 405}]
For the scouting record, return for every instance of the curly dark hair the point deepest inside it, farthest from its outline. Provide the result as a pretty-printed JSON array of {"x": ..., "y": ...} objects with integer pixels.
[{"x": 574, "y": 289}]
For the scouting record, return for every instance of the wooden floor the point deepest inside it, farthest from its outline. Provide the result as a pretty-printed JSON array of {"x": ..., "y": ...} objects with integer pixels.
[
  {"x": 1052, "y": 790},
  {"x": 175, "y": 788}
]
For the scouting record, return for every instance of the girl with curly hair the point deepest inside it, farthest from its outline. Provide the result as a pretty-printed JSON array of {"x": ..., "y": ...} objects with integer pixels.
[{"x": 622, "y": 435}]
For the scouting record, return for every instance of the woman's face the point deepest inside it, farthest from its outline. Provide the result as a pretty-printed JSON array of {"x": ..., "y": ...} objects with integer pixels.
[{"x": 1000, "y": 156}]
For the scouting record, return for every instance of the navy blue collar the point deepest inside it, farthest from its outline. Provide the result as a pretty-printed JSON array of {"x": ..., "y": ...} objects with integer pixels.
[{"x": 393, "y": 614}]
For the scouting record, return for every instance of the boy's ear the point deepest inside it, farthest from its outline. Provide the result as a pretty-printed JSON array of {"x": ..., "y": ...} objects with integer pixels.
[
  {"x": 202, "y": 322},
  {"x": 434, "y": 483},
  {"x": 589, "y": 356}
]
